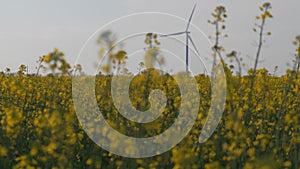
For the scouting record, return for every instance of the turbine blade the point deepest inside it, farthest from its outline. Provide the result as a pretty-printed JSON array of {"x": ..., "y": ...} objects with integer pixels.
[
  {"x": 173, "y": 34},
  {"x": 195, "y": 48},
  {"x": 190, "y": 19}
]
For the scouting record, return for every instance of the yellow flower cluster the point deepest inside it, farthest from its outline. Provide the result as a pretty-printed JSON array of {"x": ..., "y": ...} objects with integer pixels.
[{"x": 259, "y": 127}]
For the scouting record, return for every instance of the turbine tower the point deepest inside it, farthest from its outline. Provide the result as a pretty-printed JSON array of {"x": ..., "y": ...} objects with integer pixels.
[{"x": 188, "y": 38}]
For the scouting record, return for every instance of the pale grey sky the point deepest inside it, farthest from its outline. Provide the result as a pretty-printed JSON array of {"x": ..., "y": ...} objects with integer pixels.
[{"x": 32, "y": 28}]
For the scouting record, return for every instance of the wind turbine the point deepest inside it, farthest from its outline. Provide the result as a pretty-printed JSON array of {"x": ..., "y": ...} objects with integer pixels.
[{"x": 188, "y": 38}]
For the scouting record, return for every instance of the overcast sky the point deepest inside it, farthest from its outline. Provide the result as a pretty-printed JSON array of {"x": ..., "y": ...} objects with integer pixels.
[{"x": 32, "y": 28}]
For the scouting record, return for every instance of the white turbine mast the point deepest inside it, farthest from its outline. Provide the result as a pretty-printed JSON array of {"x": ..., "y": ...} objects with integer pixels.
[{"x": 188, "y": 39}]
